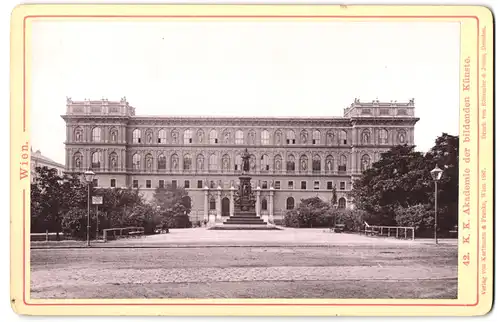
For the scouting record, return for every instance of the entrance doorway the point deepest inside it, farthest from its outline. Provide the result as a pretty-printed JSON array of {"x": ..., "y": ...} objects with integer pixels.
[{"x": 225, "y": 206}]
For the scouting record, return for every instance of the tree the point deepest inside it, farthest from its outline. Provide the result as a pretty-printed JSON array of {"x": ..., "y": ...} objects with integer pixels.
[
  {"x": 311, "y": 212},
  {"x": 173, "y": 208},
  {"x": 401, "y": 179}
]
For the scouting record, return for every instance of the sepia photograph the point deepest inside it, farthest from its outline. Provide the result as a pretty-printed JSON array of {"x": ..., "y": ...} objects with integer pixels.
[{"x": 244, "y": 159}]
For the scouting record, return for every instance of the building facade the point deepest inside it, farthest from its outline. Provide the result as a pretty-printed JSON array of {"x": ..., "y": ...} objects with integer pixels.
[
  {"x": 291, "y": 158},
  {"x": 39, "y": 160}
]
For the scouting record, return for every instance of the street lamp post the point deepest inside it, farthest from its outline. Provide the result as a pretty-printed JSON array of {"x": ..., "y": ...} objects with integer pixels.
[
  {"x": 436, "y": 174},
  {"x": 89, "y": 177}
]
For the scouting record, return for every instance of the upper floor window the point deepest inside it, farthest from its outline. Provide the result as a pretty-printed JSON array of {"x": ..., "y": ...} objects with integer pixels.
[
  {"x": 213, "y": 137},
  {"x": 264, "y": 137},
  {"x": 264, "y": 163},
  {"x": 365, "y": 162},
  {"x": 237, "y": 162},
  {"x": 96, "y": 134},
  {"x": 290, "y": 137},
  {"x": 290, "y": 164},
  {"x": 162, "y": 136},
  {"x": 187, "y": 162},
  {"x": 239, "y": 137},
  {"x": 342, "y": 163},
  {"x": 162, "y": 162},
  {"x": 212, "y": 163},
  {"x": 316, "y": 137},
  {"x": 136, "y": 161},
  {"x": 136, "y": 136},
  {"x": 316, "y": 163},
  {"x": 343, "y": 137},
  {"x": 96, "y": 160},
  {"x": 188, "y": 137}
]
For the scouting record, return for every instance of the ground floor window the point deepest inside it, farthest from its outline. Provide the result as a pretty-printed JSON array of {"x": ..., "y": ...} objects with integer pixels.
[
  {"x": 264, "y": 204},
  {"x": 174, "y": 184},
  {"x": 290, "y": 203},
  {"x": 95, "y": 183},
  {"x": 212, "y": 204},
  {"x": 342, "y": 185},
  {"x": 316, "y": 185},
  {"x": 329, "y": 185},
  {"x": 187, "y": 184},
  {"x": 161, "y": 184},
  {"x": 113, "y": 183},
  {"x": 135, "y": 183},
  {"x": 342, "y": 203},
  {"x": 290, "y": 184},
  {"x": 277, "y": 185},
  {"x": 303, "y": 185},
  {"x": 200, "y": 184},
  {"x": 264, "y": 184},
  {"x": 148, "y": 183}
]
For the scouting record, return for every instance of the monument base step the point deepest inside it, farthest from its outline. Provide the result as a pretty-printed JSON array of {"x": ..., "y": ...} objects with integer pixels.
[{"x": 244, "y": 227}]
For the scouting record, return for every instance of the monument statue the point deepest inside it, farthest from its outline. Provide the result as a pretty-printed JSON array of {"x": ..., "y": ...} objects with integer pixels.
[{"x": 245, "y": 157}]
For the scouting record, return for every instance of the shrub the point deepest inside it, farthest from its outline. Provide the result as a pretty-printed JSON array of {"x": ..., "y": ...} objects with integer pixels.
[{"x": 418, "y": 216}]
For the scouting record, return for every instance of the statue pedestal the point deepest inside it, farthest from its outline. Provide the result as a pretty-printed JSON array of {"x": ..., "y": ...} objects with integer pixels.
[{"x": 245, "y": 191}]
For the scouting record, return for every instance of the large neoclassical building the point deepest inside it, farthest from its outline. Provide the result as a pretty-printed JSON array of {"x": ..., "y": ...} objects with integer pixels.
[{"x": 291, "y": 158}]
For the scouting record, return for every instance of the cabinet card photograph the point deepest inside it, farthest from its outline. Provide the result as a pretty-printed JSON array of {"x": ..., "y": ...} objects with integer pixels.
[{"x": 251, "y": 160}]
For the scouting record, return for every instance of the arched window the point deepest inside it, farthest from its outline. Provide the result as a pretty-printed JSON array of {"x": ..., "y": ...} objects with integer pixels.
[
  {"x": 365, "y": 137},
  {"x": 264, "y": 137},
  {"x": 212, "y": 163},
  {"x": 290, "y": 163},
  {"x": 213, "y": 137},
  {"x": 162, "y": 136},
  {"x": 383, "y": 136},
  {"x": 342, "y": 163},
  {"x": 78, "y": 134},
  {"x": 113, "y": 135},
  {"x": 187, "y": 164},
  {"x": 136, "y": 136},
  {"x": 77, "y": 160},
  {"x": 263, "y": 204},
  {"x": 316, "y": 163},
  {"x": 343, "y": 137},
  {"x": 290, "y": 137},
  {"x": 237, "y": 162},
  {"x": 200, "y": 162},
  {"x": 329, "y": 164},
  {"x": 277, "y": 163},
  {"x": 365, "y": 162},
  {"x": 162, "y": 162},
  {"x": 316, "y": 137},
  {"x": 96, "y": 160},
  {"x": 303, "y": 163},
  {"x": 290, "y": 203},
  {"x": 239, "y": 137},
  {"x": 96, "y": 134},
  {"x": 264, "y": 163},
  {"x": 212, "y": 203},
  {"x": 342, "y": 203},
  {"x": 188, "y": 136},
  {"x": 136, "y": 161},
  {"x": 113, "y": 161}
]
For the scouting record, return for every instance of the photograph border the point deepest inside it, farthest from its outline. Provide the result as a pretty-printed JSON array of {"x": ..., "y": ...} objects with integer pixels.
[{"x": 481, "y": 303}]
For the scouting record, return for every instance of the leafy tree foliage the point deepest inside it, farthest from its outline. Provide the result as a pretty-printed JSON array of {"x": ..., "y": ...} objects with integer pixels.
[
  {"x": 174, "y": 206},
  {"x": 401, "y": 179},
  {"x": 311, "y": 212}
]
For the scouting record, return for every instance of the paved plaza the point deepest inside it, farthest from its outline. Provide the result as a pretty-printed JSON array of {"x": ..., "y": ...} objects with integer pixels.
[{"x": 292, "y": 263}]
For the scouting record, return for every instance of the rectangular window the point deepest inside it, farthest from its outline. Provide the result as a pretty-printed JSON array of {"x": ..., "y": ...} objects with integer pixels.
[
  {"x": 186, "y": 184},
  {"x": 264, "y": 184},
  {"x": 342, "y": 185},
  {"x": 303, "y": 185},
  {"x": 290, "y": 184},
  {"x": 95, "y": 182},
  {"x": 174, "y": 184},
  {"x": 200, "y": 184},
  {"x": 277, "y": 185},
  {"x": 113, "y": 183},
  {"x": 148, "y": 183},
  {"x": 329, "y": 185},
  {"x": 135, "y": 183},
  {"x": 316, "y": 185},
  {"x": 161, "y": 184}
]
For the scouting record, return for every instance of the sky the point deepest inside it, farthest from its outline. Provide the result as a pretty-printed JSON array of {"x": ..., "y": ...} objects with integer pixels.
[{"x": 244, "y": 68}]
